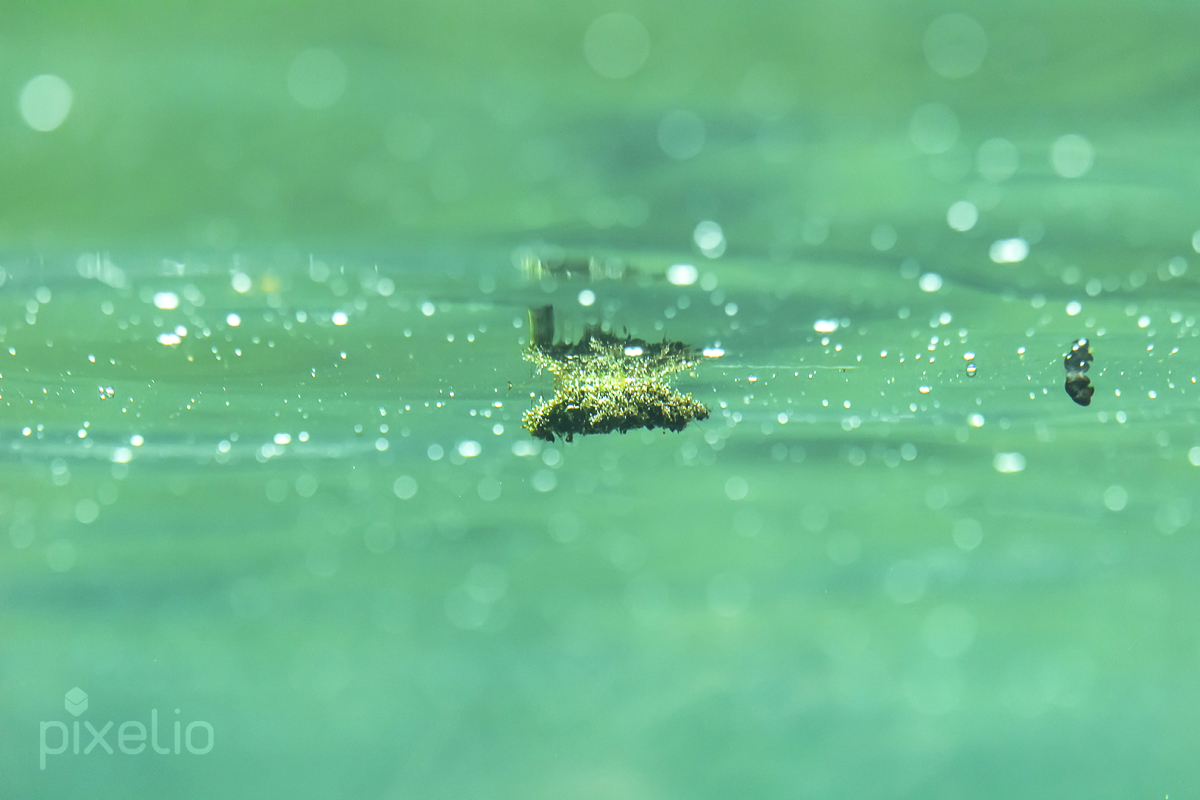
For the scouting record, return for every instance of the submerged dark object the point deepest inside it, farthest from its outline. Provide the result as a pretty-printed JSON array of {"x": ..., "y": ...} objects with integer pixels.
[
  {"x": 1076, "y": 362},
  {"x": 604, "y": 383}
]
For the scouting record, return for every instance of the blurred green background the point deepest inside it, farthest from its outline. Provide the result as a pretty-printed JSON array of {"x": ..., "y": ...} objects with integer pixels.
[
  {"x": 469, "y": 122},
  {"x": 262, "y": 315}
]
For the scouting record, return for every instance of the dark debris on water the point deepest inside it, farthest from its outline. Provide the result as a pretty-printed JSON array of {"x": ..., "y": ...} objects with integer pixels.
[{"x": 1079, "y": 386}]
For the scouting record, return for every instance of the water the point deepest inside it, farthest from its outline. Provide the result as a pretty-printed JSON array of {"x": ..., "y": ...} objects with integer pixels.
[{"x": 263, "y": 317}]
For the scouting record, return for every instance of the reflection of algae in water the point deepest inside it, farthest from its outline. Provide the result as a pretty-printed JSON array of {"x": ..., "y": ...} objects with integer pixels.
[{"x": 603, "y": 383}]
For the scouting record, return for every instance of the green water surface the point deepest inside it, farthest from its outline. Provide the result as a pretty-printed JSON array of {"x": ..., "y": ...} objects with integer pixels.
[{"x": 262, "y": 317}]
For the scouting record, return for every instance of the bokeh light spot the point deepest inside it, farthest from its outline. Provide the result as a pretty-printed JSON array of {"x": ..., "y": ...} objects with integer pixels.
[
  {"x": 681, "y": 134},
  {"x": 962, "y": 216},
  {"x": 1009, "y": 251},
  {"x": 616, "y": 45},
  {"x": 930, "y": 282},
  {"x": 709, "y": 238},
  {"x": 45, "y": 102},
  {"x": 955, "y": 45},
  {"x": 934, "y": 128},
  {"x": 317, "y": 78},
  {"x": 1009, "y": 462},
  {"x": 1072, "y": 156},
  {"x": 682, "y": 274}
]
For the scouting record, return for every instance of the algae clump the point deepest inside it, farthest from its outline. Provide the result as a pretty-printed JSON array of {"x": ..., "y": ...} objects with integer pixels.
[{"x": 605, "y": 383}]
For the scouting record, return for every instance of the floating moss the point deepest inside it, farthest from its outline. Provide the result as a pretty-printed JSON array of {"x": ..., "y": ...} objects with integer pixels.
[{"x": 605, "y": 383}]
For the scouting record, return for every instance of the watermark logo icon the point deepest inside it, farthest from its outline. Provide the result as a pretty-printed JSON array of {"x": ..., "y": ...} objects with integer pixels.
[
  {"x": 131, "y": 737},
  {"x": 76, "y": 702}
]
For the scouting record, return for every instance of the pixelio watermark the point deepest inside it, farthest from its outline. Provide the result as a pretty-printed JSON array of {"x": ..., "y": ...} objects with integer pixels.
[{"x": 131, "y": 737}]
